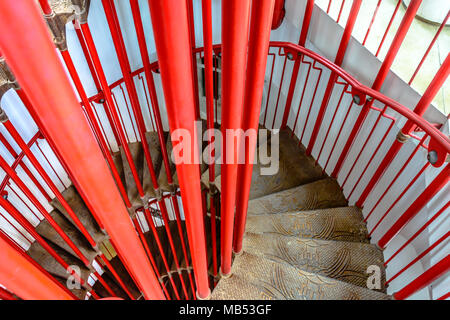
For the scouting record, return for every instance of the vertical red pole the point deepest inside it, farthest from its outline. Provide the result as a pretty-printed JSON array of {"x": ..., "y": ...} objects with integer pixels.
[
  {"x": 438, "y": 32},
  {"x": 84, "y": 98},
  {"x": 438, "y": 183},
  {"x": 6, "y": 295},
  {"x": 382, "y": 74},
  {"x": 260, "y": 26},
  {"x": 235, "y": 23},
  {"x": 45, "y": 6},
  {"x": 65, "y": 123},
  {"x": 425, "y": 279},
  {"x": 305, "y": 27},
  {"x": 209, "y": 88},
  {"x": 194, "y": 56},
  {"x": 23, "y": 278},
  {"x": 171, "y": 30},
  {"x": 338, "y": 61},
  {"x": 423, "y": 104},
  {"x": 278, "y": 14}
]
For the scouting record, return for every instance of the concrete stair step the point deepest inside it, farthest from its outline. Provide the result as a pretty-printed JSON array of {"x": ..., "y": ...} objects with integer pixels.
[
  {"x": 137, "y": 154},
  {"x": 256, "y": 278},
  {"x": 343, "y": 224},
  {"x": 320, "y": 194},
  {"x": 162, "y": 177},
  {"x": 155, "y": 153},
  {"x": 43, "y": 258},
  {"x": 78, "y": 205},
  {"x": 48, "y": 232},
  {"x": 117, "y": 158},
  {"x": 341, "y": 260},
  {"x": 294, "y": 169}
]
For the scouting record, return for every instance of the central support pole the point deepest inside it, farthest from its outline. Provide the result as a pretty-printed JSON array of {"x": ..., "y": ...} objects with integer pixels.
[
  {"x": 45, "y": 82},
  {"x": 261, "y": 18},
  {"x": 25, "y": 279},
  {"x": 235, "y": 23},
  {"x": 171, "y": 30}
]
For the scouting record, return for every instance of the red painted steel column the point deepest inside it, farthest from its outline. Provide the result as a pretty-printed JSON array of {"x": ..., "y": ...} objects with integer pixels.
[
  {"x": 305, "y": 27},
  {"x": 261, "y": 17},
  {"x": 333, "y": 77},
  {"x": 6, "y": 295},
  {"x": 235, "y": 20},
  {"x": 65, "y": 123},
  {"x": 24, "y": 279},
  {"x": 426, "y": 278},
  {"x": 278, "y": 14},
  {"x": 171, "y": 30},
  {"x": 382, "y": 74},
  {"x": 438, "y": 183},
  {"x": 423, "y": 104}
]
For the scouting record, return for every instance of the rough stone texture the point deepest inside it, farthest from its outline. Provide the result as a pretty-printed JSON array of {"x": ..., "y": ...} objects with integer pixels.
[
  {"x": 155, "y": 153},
  {"x": 162, "y": 177},
  {"x": 138, "y": 155},
  {"x": 47, "y": 231},
  {"x": 79, "y": 207},
  {"x": 343, "y": 224},
  {"x": 324, "y": 193},
  {"x": 295, "y": 168},
  {"x": 255, "y": 277},
  {"x": 341, "y": 260},
  {"x": 43, "y": 258}
]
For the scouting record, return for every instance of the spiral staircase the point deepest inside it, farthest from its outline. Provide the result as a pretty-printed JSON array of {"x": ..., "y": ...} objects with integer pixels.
[{"x": 302, "y": 240}]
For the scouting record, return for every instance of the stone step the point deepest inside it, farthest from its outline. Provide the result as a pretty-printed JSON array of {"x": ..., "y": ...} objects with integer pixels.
[
  {"x": 320, "y": 194},
  {"x": 78, "y": 205},
  {"x": 157, "y": 161},
  {"x": 294, "y": 168},
  {"x": 162, "y": 177},
  {"x": 137, "y": 154},
  {"x": 117, "y": 158},
  {"x": 46, "y": 230},
  {"x": 343, "y": 224},
  {"x": 257, "y": 278},
  {"x": 341, "y": 260},
  {"x": 45, "y": 260}
]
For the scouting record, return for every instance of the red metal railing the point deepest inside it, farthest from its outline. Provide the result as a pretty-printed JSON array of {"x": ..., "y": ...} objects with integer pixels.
[{"x": 380, "y": 128}]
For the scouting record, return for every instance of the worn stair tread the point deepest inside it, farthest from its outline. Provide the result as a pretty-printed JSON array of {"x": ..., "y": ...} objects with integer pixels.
[
  {"x": 124, "y": 276},
  {"x": 137, "y": 154},
  {"x": 155, "y": 153},
  {"x": 45, "y": 260},
  {"x": 341, "y": 260},
  {"x": 344, "y": 224},
  {"x": 295, "y": 168},
  {"x": 162, "y": 177},
  {"x": 117, "y": 158},
  {"x": 46, "y": 230},
  {"x": 78, "y": 206},
  {"x": 255, "y": 277},
  {"x": 320, "y": 194}
]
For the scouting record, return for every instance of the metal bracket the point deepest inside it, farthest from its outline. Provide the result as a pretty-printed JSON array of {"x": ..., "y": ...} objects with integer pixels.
[
  {"x": 358, "y": 97},
  {"x": 402, "y": 138},
  {"x": 437, "y": 155}
]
